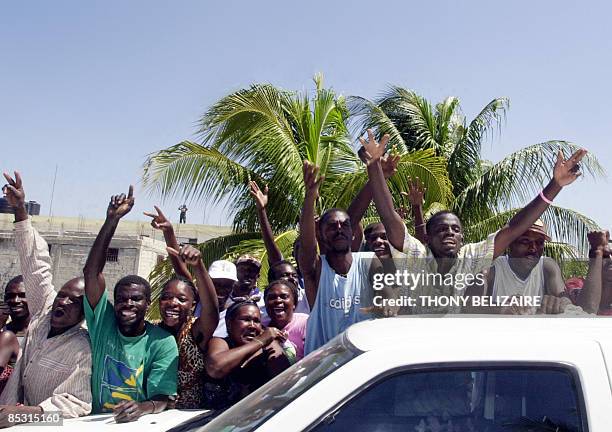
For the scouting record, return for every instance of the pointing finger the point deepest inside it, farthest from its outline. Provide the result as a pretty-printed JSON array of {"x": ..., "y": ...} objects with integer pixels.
[
  {"x": 17, "y": 180},
  {"x": 8, "y": 178},
  {"x": 159, "y": 212},
  {"x": 131, "y": 192}
]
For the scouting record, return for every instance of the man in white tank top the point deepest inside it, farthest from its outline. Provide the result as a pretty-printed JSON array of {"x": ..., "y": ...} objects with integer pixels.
[
  {"x": 525, "y": 272},
  {"x": 337, "y": 283}
]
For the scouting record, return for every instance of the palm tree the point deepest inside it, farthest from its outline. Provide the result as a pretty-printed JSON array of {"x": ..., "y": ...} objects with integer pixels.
[
  {"x": 485, "y": 194},
  {"x": 263, "y": 133}
]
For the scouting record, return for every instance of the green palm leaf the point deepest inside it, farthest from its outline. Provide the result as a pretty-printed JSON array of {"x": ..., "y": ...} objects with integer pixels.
[
  {"x": 516, "y": 179},
  {"x": 190, "y": 170},
  {"x": 464, "y": 163},
  {"x": 211, "y": 250}
]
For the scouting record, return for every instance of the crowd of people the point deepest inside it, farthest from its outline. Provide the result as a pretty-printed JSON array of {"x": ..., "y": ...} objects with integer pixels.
[{"x": 220, "y": 337}]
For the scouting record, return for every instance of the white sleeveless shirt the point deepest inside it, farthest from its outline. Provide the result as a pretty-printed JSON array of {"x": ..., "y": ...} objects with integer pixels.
[{"x": 507, "y": 283}]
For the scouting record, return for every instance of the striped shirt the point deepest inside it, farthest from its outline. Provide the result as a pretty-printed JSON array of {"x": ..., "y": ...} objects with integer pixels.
[{"x": 54, "y": 373}]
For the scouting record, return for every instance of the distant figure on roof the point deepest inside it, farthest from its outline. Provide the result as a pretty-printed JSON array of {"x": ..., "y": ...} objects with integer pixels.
[{"x": 183, "y": 217}]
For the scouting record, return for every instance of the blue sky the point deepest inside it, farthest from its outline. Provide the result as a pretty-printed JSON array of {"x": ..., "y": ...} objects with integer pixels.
[{"x": 96, "y": 86}]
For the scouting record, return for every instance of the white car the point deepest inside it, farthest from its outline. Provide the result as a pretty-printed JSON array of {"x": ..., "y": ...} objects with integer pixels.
[
  {"x": 420, "y": 374},
  {"x": 451, "y": 374}
]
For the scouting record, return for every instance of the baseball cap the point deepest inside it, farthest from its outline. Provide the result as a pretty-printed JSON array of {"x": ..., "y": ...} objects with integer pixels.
[
  {"x": 248, "y": 259},
  {"x": 223, "y": 269}
]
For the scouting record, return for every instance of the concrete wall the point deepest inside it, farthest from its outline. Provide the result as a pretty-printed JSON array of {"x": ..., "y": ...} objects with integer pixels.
[
  {"x": 69, "y": 251},
  {"x": 70, "y": 239}
]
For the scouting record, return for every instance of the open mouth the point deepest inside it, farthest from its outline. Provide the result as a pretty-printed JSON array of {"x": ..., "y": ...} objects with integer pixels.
[
  {"x": 278, "y": 310},
  {"x": 127, "y": 314},
  {"x": 58, "y": 313},
  {"x": 250, "y": 335},
  {"x": 171, "y": 313}
]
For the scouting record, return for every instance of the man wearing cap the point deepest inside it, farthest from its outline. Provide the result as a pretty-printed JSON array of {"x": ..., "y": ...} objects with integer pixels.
[
  {"x": 223, "y": 275},
  {"x": 247, "y": 270},
  {"x": 524, "y": 271}
]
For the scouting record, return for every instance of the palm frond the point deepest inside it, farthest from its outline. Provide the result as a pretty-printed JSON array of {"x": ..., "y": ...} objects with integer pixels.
[
  {"x": 464, "y": 163},
  {"x": 211, "y": 250},
  {"x": 365, "y": 114},
  {"x": 516, "y": 179},
  {"x": 414, "y": 117},
  {"x": 191, "y": 171}
]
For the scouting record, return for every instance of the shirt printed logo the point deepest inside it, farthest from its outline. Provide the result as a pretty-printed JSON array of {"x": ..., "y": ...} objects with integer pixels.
[{"x": 120, "y": 382}]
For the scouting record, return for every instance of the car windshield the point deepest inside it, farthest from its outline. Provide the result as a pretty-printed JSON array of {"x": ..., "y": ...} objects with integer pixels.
[{"x": 262, "y": 404}]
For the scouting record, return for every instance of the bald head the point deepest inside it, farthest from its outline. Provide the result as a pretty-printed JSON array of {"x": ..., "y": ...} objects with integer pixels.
[{"x": 67, "y": 310}]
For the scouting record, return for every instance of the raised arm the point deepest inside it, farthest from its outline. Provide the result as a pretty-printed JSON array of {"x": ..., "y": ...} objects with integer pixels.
[
  {"x": 261, "y": 200},
  {"x": 565, "y": 172},
  {"x": 161, "y": 222},
  {"x": 394, "y": 225},
  {"x": 308, "y": 257},
  {"x": 119, "y": 206},
  {"x": 360, "y": 204},
  {"x": 205, "y": 325},
  {"x": 416, "y": 195},
  {"x": 33, "y": 251},
  {"x": 589, "y": 297},
  {"x": 15, "y": 195}
]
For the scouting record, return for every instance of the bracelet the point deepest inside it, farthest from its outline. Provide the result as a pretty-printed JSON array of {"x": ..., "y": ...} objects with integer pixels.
[
  {"x": 154, "y": 406},
  {"x": 420, "y": 225},
  {"x": 257, "y": 340},
  {"x": 546, "y": 200}
]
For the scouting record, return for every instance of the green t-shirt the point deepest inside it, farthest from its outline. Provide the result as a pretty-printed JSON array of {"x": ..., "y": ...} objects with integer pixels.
[{"x": 128, "y": 368}]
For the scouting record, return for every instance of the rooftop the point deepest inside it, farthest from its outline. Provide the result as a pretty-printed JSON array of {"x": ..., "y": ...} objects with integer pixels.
[
  {"x": 74, "y": 225},
  {"x": 469, "y": 329}
]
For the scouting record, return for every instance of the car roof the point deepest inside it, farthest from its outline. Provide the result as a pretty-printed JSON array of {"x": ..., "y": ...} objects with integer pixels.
[{"x": 381, "y": 333}]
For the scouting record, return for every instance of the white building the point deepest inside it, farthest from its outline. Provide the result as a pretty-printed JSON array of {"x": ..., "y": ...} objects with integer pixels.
[{"x": 135, "y": 249}]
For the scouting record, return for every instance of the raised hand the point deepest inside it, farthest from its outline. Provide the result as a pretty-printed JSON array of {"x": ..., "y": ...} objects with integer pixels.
[
  {"x": 159, "y": 221},
  {"x": 13, "y": 190},
  {"x": 599, "y": 240},
  {"x": 312, "y": 181},
  {"x": 260, "y": 197},
  {"x": 188, "y": 254},
  {"x": 566, "y": 171},
  {"x": 389, "y": 165},
  {"x": 416, "y": 192},
  {"x": 374, "y": 150},
  {"x": 120, "y": 205}
]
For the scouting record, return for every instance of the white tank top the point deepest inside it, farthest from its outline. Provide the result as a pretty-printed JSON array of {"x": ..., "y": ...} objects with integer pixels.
[{"x": 507, "y": 283}]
